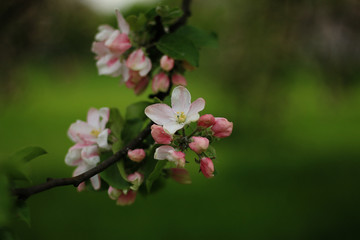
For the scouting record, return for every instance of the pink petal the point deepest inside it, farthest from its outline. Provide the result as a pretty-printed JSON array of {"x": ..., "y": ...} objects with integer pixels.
[
  {"x": 160, "y": 114},
  {"x": 123, "y": 25},
  {"x": 193, "y": 114},
  {"x": 99, "y": 49},
  {"x": 90, "y": 154},
  {"x": 73, "y": 157},
  {"x": 93, "y": 118},
  {"x": 162, "y": 152},
  {"x": 104, "y": 33},
  {"x": 180, "y": 99},
  {"x": 109, "y": 65},
  {"x": 81, "y": 132}
]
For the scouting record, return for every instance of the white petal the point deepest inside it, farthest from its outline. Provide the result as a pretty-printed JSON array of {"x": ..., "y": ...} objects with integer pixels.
[
  {"x": 104, "y": 32},
  {"x": 193, "y": 114},
  {"x": 93, "y": 118},
  {"x": 81, "y": 132},
  {"x": 124, "y": 72},
  {"x": 95, "y": 182},
  {"x": 172, "y": 127},
  {"x": 160, "y": 114},
  {"x": 104, "y": 114},
  {"x": 90, "y": 154},
  {"x": 162, "y": 152},
  {"x": 180, "y": 99},
  {"x": 73, "y": 157},
  {"x": 102, "y": 139},
  {"x": 99, "y": 49},
  {"x": 143, "y": 72},
  {"x": 83, "y": 167},
  {"x": 108, "y": 66},
  {"x": 123, "y": 25},
  {"x": 112, "y": 37}
]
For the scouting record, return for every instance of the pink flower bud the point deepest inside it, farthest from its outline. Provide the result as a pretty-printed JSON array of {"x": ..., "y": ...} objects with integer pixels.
[
  {"x": 81, "y": 187},
  {"x": 137, "y": 61},
  {"x": 179, "y": 158},
  {"x": 178, "y": 79},
  {"x": 137, "y": 82},
  {"x": 118, "y": 42},
  {"x": 136, "y": 155},
  {"x": 180, "y": 175},
  {"x": 206, "y": 121},
  {"x": 127, "y": 198},
  {"x": 222, "y": 128},
  {"x": 166, "y": 63},
  {"x": 136, "y": 179},
  {"x": 114, "y": 193},
  {"x": 207, "y": 167},
  {"x": 159, "y": 135},
  {"x": 199, "y": 144},
  {"x": 160, "y": 83}
]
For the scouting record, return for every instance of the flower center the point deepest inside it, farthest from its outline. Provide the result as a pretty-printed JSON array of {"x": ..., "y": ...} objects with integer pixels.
[
  {"x": 95, "y": 133},
  {"x": 181, "y": 117}
]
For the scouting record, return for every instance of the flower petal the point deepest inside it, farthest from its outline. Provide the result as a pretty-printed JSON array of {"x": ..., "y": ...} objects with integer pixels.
[
  {"x": 180, "y": 99},
  {"x": 73, "y": 157},
  {"x": 123, "y": 25},
  {"x": 172, "y": 127},
  {"x": 80, "y": 131},
  {"x": 90, "y": 154},
  {"x": 102, "y": 139},
  {"x": 83, "y": 167},
  {"x": 109, "y": 65},
  {"x": 93, "y": 118},
  {"x": 104, "y": 33},
  {"x": 99, "y": 49},
  {"x": 160, "y": 114},
  {"x": 193, "y": 114},
  {"x": 104, "y": 114},
  {"x": 143, "y": 72},
  {"x": 95, "y": 182},
  {"x": 162, "y": 152}
]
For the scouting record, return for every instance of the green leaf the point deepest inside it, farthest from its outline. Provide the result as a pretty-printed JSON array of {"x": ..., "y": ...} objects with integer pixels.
[
  {"x": 121, "y": 168},
  {"x": 5, "y": 201},
  {"x": 131, "y": 130},
  {"x": 136, "y": 111},
  {"x": 116, "y": 122},
  {"x": 117, "y": 146},
  {"x": 179, "y": 47},
  {"x": 211, "y": 152},
  {"x": 23, "y": 212},
  {"x": 28, "y": 153},
  {"x": 112, "y": 175},
  {"x": 136, "y": 23},
  {"x": 199, "y": 37},
  {"x": 155, "y": 174}
]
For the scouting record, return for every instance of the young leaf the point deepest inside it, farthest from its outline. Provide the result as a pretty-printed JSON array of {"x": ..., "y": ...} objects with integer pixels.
[
  {"x": 199, "y": 37},
  {"x": 136, "y": 111},
  {"x": 131, "y": 130},
  {"x": 28, "y": 153},
  {"x": 155, "y": 174},
  {"x": 23, "y": 212},
  {"x": 116, "y": 122},
  {"x": 179, "y": 47},
  {"x": 112, "y": 175}
]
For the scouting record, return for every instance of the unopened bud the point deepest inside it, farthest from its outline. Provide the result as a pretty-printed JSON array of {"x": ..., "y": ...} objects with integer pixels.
[
  {"x": 222, "y": 128},
  {"x": 207, "y": 167},
  {"x": 136, "y": 155},
  {"x": 180, "y": 175},
  {"x": 159, "y": 135},
  {"x": 206, "y": 121},
  {"x": 199, "y": 144},
  {"x": 178, "y": 79},
  {"x": 166, "y": 63},
  {"x": 160, "y": 83}
]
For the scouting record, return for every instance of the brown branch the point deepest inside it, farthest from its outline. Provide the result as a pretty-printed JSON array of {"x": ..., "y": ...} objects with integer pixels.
[{"x": 24, "y": 193}]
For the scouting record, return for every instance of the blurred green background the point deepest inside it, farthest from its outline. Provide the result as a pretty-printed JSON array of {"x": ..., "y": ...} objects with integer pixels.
[{"x": 286, "y": 73}]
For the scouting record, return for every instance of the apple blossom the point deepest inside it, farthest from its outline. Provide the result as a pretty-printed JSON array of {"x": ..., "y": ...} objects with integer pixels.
[
  {"x": 181, "y": 113},
  {"x": 127, "y": 198},
  {"x": 206, "y": 121},
  {"x": 160, "y": 83},
  {"x": 199, "y": 144},
  {"x": 109, "y": 65},
  {"x": 114, "y": 193},
  {"x": 138, "y": 84},
  {"x": 159, "y": 135},
  {"x": 207, "y": 167},
  {"x": 178, "y": 79},
  {"x": 93, "y": 131},
  {"x": 166, "y": 63},
  {"x": 85, "y": 157},
  {"x": 137, "y": 61},
  {"x": 222, "y": 128},
  {"x": 180, "y": 175},
  {"x": 136, "y": 155},
  {"x": 169, "y": 153}
]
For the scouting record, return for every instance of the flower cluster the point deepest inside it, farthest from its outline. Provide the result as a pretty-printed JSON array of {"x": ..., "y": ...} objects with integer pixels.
[
  {"x": 119, "y": 52},
  {"x": 90, "y": 138},
  {"x": 169, "y": 120}
]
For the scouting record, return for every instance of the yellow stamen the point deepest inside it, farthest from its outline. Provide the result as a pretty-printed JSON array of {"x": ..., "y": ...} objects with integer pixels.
[
  {"x": 95, "y": 133},
  {"x": 181, "y": 117}
]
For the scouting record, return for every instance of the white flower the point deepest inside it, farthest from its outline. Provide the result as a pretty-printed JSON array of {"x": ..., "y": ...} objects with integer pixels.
[{"x": 181, "y": 112}]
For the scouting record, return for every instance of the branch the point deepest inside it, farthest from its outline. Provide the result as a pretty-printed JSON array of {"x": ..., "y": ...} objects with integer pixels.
[{"x": 24, "y": 193}]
